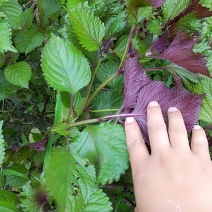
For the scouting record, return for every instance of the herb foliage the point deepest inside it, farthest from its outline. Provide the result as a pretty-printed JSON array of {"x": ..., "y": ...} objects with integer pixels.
[{"x": 70, "y": 72}]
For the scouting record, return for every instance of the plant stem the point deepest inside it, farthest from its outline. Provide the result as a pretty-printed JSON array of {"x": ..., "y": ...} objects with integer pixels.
[
  {"x": 40, "y": 14},
  {"x": 45, "y": 105},
  {"x": 91, "y": 121},
  {"x": 127, "y": 46},
  {"x": 101, "y": 87},
  {"x": 91, "y": 83},
  {"x": 105, "y": 110},
  {"x": 117, "y": 73},
  {"x": 71, "y": 110},
  {"x": 154, "y": 69}
]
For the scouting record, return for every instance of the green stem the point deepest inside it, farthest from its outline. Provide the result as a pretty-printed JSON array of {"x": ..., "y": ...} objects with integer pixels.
[
  {"x": 155, "y": 69},
  {"x": 91, "y": 83},
  {"x": 117, "y": 73},
  {"x": 71, "y": 110},
  {"x": 127, "y": 46},
  {"x": 40, "y": 14},
  {"x": 2, "y": 178},
  {"x": 105, "y": 110},
  {"x": 91, "y": 121},
  {"x": 101, "y": 87}
]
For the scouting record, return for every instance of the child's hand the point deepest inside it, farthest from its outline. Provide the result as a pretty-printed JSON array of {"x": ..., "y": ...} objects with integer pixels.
[{"x": 174, "y": 177}]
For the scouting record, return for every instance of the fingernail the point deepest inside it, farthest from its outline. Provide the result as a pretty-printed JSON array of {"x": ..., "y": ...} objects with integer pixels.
[
  {"x": 172, "y": 109},
  {"x": 153, "y": 104},
  {"x": 196, "y": 127},
  {"x": 130, "y": 120}
]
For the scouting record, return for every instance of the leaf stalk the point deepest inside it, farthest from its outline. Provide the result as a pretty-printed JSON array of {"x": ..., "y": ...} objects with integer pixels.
[
  {"x": 101, "y": 87},
  {"x": 133, "y": 29},
  {"x": 116, "y": 74},
  {"x": 97, "y": 120},
  {"x": 104, "y": 110},
  {"x": 91, "y": 84},
  {"x": 40, "y": 14}
]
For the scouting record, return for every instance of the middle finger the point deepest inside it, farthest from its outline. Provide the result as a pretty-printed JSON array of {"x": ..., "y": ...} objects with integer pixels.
[{"x": 157, "y": 131}]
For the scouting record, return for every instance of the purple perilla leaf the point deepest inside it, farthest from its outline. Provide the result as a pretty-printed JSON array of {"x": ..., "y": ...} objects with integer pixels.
[
  {"x": 178, "y": 81},
  {"x": 140, "y": 90},
  {"x": 39, "y": 146},
  {"x": 195, "y": 6},
  {"x": 180, "y": 52},
  {"x": 188, "y": 103},
  {"x": 159, "y": 45},
  {"x": 135, "y": 78},
  {"x": 201, "y": 11},
  {"x": 156, "y": 3}
]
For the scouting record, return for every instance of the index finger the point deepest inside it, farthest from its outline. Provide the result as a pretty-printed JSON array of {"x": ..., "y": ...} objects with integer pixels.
[
  {"x": 135, "y": 143},
  {"x": 157, "y": 131}
]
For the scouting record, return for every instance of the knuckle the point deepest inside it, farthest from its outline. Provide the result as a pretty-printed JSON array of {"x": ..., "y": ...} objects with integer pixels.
[
  {"x": 200, "y": 140},
  {"x": 156, "y": 127},
  {"x": 177, "y": 128},
  {"x": 154, "y": 109},
  {"x": 133, "y": 142}
]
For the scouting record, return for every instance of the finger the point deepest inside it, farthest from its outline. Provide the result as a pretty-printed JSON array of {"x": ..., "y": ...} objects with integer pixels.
[
  {"x": 199, "y": 142},
  {"x": 157, "y": 131},
  {"x": 177, "y": 131},
  {"x": 135, "y": 143}
]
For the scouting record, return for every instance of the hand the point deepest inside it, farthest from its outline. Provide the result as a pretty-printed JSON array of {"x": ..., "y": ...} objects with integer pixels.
[{"x": 174, "y": 177}]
